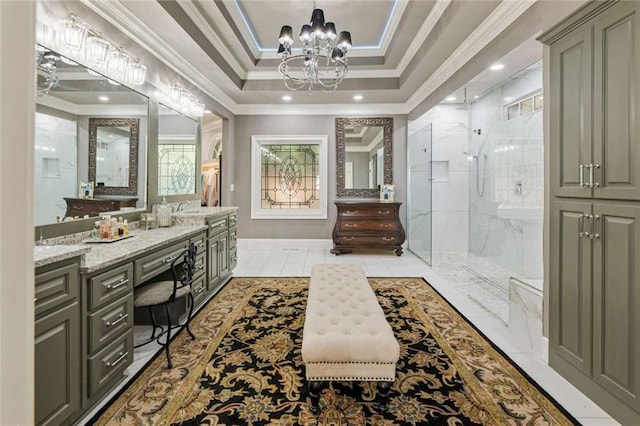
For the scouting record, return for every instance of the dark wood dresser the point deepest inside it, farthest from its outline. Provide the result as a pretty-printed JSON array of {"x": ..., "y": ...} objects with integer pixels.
[
  {"x": 94, "y": 206},
  {"x": 367, "y": 224}
]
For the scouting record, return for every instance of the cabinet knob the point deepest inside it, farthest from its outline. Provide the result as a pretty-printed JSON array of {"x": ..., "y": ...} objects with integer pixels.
[{"x": 388, "y": 238}]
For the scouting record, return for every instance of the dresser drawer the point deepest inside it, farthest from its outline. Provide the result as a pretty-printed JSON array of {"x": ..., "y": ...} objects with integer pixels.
[
  {"x": 111, "y": 321},
  {"x": 376, "y": 212},
  {"x": 110, "y": 362},
  {"x": 56, "y": 287},
  {"x": 368, "y": 226},
  {"x": 158, "y": 262},
  {"x": 216, "y": 226},
  {"x": 201, "y": 264},
  {"x": 199, "y": 288},
  {"x": 369, "y": 240},
  {"x": 110, "y": 285},
  {"x": 233, "y": 237}
]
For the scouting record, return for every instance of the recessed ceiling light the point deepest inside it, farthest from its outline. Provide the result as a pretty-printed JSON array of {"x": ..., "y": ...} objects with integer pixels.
[
  {"x": 286, "y": 98},
  {"x": 208, "y": 111},
  {"x": 103, "y": 98},
  {"x": 476, "y": 97},
  {"x": 451, "y": 98},
  {"x": 496, "y": 67},
  {"x": 357, "y": 97},
  {"x": 507, "y": 99}
]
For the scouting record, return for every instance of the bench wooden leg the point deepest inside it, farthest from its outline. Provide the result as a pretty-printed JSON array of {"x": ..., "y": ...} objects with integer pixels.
[
  {"x": 384, "y": 389},
  {"x": 315, "y": 389}
]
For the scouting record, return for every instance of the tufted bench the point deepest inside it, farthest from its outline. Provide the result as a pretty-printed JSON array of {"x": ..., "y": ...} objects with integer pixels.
[{"x": 346, "y": 336}]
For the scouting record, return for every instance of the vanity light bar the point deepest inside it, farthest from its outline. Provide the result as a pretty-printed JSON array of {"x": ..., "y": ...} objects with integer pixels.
[
  {"x": 75, "y": 38},
  {"x": 182, "y": 100}
]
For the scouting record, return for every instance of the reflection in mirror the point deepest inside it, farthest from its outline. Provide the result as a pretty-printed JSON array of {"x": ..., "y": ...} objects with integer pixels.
[
  {"x": 113, "y": 155},
  {"x": 69, "y": 96},
  {"x": 177, "y": 146},
  {"x": 363, "y": 156}
]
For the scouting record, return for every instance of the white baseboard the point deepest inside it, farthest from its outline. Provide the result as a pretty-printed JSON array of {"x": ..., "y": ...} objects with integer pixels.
[{"x": 544, "y": 349}]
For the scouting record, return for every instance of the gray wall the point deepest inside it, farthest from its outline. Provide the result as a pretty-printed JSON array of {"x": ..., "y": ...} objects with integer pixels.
[
  {"x": 248, "y": 125},
  {"x": 360, "y": 162}
]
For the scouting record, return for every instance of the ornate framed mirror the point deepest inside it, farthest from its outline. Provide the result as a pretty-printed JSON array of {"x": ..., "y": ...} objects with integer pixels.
[
  {"x": 364, "y": 156},
  {"x": 113, "y": 155}
]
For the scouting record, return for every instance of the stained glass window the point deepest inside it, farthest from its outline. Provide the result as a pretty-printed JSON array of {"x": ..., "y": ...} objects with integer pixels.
[
  {"x": 176, "y": 169},
  {"x": 291, "y": 173}
]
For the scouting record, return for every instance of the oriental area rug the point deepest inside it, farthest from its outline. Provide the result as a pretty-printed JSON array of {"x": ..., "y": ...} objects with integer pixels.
[{"x": 245, "y": 368}]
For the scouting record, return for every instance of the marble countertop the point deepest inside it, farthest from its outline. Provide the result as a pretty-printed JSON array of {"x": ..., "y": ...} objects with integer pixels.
[
  {"x": 204, "y": 212},
  {"x": 107, "y": 254},
  {"x": 45, "y": 255}
]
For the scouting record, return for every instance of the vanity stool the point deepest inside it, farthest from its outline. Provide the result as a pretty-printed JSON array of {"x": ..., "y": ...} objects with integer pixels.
[
  {"x": 165, "y": 293},
  {"x": 346, "y": 336}
]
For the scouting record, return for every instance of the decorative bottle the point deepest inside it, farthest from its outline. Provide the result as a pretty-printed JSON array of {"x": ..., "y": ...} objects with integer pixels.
[{"x": 164, "y": 213}]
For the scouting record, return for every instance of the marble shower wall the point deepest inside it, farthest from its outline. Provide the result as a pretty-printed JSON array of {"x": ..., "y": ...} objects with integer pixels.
[
  {"x": 506, "y": 178},
  {"x": 56, "y": 166},
  {"x": 450, "y": 177}
]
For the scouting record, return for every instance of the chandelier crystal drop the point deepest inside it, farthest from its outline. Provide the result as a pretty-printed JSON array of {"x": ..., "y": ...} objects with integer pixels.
[{"x": 320, "y": 64}]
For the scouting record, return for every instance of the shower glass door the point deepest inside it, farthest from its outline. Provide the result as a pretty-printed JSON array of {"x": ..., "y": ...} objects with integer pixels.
[{"x": 419, "y": 203}]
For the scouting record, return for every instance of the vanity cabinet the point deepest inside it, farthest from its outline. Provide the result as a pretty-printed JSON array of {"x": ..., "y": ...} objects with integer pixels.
[
  {"x": 594, "y": 248},
  {"x": 368, "y": 224},
  {"x": 57, "y": 342},
  {"x": 95, "y": 206},
  {"x": 218, "y": 250}
]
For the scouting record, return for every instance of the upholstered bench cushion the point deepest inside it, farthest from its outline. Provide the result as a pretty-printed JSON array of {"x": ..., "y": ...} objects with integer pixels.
[
  {"x": 346, "y": 335},
  {"x": 156, "y": 293}
]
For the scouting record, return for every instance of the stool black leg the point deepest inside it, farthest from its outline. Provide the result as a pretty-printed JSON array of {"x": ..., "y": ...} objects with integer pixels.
[
  {"x": 315, "y": 389},
  {"x": 384, "y": 389},
  {"x": 191, "y": 303},
  {"x": 166, "y": 347}
]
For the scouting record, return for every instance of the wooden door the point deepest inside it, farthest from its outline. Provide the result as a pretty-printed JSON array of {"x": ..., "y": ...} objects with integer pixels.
[
  {"x": 616, "y": 115},
  {"x": 616, "y": 300},
  {"x": 570, "y": 286},
  {"x": 57, "y": 366},
  {"x": 571, "y": 97}
]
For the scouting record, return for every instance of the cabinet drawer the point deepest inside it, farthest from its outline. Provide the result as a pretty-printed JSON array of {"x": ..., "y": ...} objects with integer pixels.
[
  {"x": 233, "y": 258},
  {"x": 110, "y": 362},
  {"x": 369, "y": 226},
  {"x": 233, "y": 220},
  {"x": 111, "y": 321},
  {"x": 201, "y": 242},
  {"x": 201, "y": 264},
  {"x": 380, "y": 240},
  {"x": 233, "y": 237},
  {"x": 381, "y": 211},
  {"x": 199, "y": 289},
  {"x": 110, "y": 285},
  {"x": 158, "y": 262},
  {"x": 56, "y": 287},
  {"x": 216, "y": 226}
]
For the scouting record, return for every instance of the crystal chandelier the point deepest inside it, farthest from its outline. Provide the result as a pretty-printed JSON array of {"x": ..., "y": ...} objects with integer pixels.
[{"x": 320, "y": 65}]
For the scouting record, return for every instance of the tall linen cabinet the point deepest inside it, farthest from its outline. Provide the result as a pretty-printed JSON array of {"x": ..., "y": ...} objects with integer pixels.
[{"x": 594, "y": 246}]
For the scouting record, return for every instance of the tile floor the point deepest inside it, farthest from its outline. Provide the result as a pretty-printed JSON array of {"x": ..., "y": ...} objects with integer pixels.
[{"x": 294, "y": 258}]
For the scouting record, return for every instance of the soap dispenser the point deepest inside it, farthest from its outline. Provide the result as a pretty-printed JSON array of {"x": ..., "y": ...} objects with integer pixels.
[{"x": 164, "y": 213}]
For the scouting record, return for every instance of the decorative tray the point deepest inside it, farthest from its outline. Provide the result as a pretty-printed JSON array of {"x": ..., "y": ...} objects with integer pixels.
[{"x": 112, "y": 240}]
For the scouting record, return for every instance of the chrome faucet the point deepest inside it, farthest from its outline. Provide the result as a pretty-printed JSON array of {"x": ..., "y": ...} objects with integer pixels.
[{"x": 182, "y": 204}]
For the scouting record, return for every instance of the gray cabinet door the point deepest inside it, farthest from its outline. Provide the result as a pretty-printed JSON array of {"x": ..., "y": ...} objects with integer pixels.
[
  {"x": 57, "y": 361},
  {"x": 616, "y": 115},
  {"x": 224, "y": 256},
  {"x": 570, "y": 289},
  {"x": 571, "y": 97},
  {"x": 213, "y": 267},
  {"x": 616, "y": 301}
]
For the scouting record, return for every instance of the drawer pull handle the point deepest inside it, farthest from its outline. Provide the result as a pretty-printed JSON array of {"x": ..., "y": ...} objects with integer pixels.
[
  {"x": 35, "y": 300},
  {"x": 199, "y": 290},
  {"x": 121, "y": 318},
  {"x": 385, "y": 225},
  {"x": 388, "y": 238},
  {"x": 234, "y": 237},
  {"x": 234, "y": 258},
  {"x": 200, "y": 245},
  {"x": 219, "y": 225},
  {"x": 350, "y": 225},
  {"x": 348, "y": 238},
  {"x": 384, "y": 211},
  {"x": 199, "y": 266},
  {"x": 233, "y": 219},
  {"x": 120, "y": 283},
  {"x": 122, "y": 356},
  {"x": 168, "y": 259},
  {"x": 351, "y": 211}
]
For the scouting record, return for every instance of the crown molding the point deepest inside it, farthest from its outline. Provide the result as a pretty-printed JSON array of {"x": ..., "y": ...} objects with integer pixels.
[
  {"x": 503, "y": 16},
  {"x": 421, "y": 36},
  {"x": 394, "y": 21},
  {"x": 323, "y": 109},
  {"x": 275, "y": 74},
  {"x": 124, "y": 20},
  {"x": 91, "y": 109},
  {"x": 203, "y": 25}
]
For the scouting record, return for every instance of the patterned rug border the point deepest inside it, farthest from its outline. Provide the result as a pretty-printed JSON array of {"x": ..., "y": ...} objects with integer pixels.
[{"x": 132, "y": 380}]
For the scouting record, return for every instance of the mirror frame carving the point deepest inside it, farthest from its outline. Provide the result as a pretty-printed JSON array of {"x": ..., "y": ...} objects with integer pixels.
[
  {"x": 133, "y": 124},
  {"x": 387, "y": 124}
]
